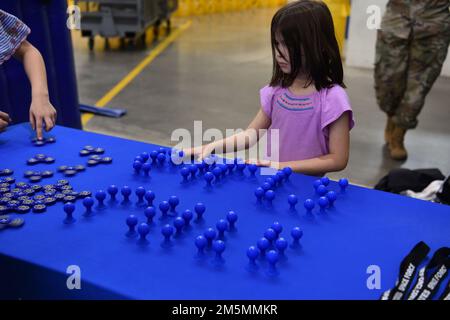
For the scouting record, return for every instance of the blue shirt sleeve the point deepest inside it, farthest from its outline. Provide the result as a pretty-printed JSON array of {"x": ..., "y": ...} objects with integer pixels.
[{"x": 12, "y": 33}]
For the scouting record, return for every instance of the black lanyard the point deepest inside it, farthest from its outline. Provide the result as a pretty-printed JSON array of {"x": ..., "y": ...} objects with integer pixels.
[
  {"x": 408, "y": 269},
  {"x": 431, "y": 276},
  {"x": 446, "y": 294}
]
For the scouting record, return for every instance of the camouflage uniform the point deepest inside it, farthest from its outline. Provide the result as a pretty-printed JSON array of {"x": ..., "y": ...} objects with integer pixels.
[{"x": 411, "y": 48}]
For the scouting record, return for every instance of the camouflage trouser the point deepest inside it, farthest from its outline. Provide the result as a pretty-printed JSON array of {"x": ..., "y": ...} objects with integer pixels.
[{"x": 409, "y": 59}]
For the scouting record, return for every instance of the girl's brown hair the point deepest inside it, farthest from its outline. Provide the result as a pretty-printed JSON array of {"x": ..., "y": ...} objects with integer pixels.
[{"x": 307, "y": 29}]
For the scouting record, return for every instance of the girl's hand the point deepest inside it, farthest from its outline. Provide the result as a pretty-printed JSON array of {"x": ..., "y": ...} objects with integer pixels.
[
  {"x": 199, "y": 152},
  {"x": 5, "y": 120},
  {"x": 264, "y": 163},
  {"x": 42, "y": 112}
]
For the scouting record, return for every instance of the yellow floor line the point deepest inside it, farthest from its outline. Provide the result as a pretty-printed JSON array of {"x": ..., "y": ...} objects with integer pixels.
[{"x": 137, "y": 70}]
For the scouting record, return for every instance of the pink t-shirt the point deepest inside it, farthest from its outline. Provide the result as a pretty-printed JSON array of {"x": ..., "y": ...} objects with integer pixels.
[{"x": 303, "y": 121}]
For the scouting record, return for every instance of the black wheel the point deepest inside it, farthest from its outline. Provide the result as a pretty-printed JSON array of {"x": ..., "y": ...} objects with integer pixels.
[
  {"x": 107, "y": 46},
  {"x": 91, "y": 43},
  {"x": 169, "y": 26},
  {"x": 122, "y": 43},
  {"x": 142, "y": 38},
  {"x": 131, "y": 44},
  {"x": 156, "y": 30}
]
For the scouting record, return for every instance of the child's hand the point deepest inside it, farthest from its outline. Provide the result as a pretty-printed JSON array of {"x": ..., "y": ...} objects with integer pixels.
[
  {"x": 5, "y": 120},
  {"x": 199, "y": 152},
  {"x": 42, "y": 112},
  {"x": 264, "y": 163}
]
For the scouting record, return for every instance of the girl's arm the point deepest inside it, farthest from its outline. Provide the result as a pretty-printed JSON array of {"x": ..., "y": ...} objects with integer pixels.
[
  {"x": 336, "y": 160},
  {"x": 41, "y": 110},
  {"x": 240, "y": 141}
]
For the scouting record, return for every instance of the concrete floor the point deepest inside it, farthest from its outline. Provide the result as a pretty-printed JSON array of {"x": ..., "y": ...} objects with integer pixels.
[{"x": 213, "y": 73}]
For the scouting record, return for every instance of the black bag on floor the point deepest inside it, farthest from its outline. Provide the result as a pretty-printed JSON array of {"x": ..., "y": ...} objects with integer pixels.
[
  {"x": 444, "y": 196},
  {"x": 399, "y": 180}
]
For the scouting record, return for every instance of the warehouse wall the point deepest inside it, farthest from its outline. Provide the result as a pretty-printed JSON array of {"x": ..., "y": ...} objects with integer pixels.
[{"x": 361, "y": 42}]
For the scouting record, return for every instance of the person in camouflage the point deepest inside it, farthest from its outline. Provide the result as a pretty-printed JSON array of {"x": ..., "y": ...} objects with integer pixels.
[{"x": 411, "y": 48}]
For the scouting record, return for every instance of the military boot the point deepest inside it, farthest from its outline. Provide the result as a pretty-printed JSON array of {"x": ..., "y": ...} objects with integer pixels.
[
  {"x": 388, "y": 130},
  {"x": 396, "y": 143}
]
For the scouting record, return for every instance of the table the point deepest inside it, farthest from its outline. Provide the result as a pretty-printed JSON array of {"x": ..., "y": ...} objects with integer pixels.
[{"x": 365, "y": 227}]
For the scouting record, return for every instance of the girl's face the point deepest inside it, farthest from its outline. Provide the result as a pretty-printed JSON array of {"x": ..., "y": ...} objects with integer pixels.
[{"x": 282, "y": 55}]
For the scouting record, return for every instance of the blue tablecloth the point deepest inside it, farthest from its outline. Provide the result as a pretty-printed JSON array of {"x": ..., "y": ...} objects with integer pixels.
[{"x": 364, "y": 228}]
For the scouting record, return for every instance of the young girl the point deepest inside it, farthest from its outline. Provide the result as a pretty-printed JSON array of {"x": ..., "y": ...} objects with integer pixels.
[
  {"x": 13, "y": 34},
  {"x": 305, "y": 100}
]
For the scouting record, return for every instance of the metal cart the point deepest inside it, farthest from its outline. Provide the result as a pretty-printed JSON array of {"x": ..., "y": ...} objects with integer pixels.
[
  {"x": 126, "y": 19},
  {"x": 166, "y": 8}
]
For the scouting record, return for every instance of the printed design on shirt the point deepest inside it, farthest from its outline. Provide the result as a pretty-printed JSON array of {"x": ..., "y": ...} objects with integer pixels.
[
  {"x": 287, "y": 102},
  {"x": 12, "y": 33}
]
